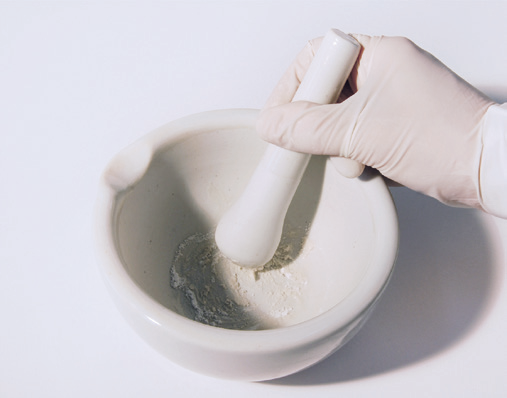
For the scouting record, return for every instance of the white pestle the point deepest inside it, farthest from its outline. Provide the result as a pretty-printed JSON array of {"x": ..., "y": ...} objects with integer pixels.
[{"x": 250, "y": 232}]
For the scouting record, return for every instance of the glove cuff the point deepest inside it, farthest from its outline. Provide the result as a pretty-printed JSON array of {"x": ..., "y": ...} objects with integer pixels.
[{"x": 493, "y": 165}]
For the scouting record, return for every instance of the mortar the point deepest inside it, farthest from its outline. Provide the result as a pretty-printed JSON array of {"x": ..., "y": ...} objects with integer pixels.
[{"x": 159, "y": 202}]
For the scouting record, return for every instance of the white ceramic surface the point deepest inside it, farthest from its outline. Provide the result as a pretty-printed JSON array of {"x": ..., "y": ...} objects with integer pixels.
[{"x": 178, "y": 181}]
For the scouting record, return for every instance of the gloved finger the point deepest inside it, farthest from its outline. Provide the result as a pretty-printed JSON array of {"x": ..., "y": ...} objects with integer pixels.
[
  {"x": 347, "y": 167},
  {"x": 362, "y": 67},
  {"x": 312, "y": 128},
  {"x": 288, "y": 84}
]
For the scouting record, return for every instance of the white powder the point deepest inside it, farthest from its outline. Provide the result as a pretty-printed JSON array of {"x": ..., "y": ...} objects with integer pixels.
[{"x": 215, "y": 291}]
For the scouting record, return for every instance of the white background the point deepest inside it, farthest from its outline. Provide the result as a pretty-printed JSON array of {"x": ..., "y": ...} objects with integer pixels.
[{"x": 81, "y": 80}]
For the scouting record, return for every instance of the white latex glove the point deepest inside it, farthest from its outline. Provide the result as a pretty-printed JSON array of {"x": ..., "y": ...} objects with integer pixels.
[{"x": 403, "y": 113}]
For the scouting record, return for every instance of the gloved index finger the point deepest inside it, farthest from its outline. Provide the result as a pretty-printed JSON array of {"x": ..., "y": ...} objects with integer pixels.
[{"x": 288, "y": 84}]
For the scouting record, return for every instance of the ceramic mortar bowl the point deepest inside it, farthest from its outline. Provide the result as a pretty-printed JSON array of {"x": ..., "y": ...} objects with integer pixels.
[{"x": 174, "y": 184}]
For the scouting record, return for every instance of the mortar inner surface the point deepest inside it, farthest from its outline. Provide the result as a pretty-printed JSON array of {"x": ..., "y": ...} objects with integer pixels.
[{"x": 166, "y": 226}]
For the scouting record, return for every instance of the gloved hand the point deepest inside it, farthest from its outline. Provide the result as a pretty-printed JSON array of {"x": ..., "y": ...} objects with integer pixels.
[{"x": 403, "y": 112}]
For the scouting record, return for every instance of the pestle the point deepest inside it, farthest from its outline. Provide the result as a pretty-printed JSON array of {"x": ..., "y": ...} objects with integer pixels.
[{"x": 250, "y": 231}]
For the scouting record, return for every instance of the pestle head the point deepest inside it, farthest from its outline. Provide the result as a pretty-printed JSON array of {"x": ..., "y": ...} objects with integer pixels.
[
  {"x": 250, "y": 232},
  {"x": 244, "y": 245},
  {"x": 246, "y": 249}
]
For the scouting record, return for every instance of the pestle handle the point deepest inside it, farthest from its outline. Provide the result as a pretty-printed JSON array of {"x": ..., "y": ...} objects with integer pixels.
[{"x": 250, "y": 232}]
